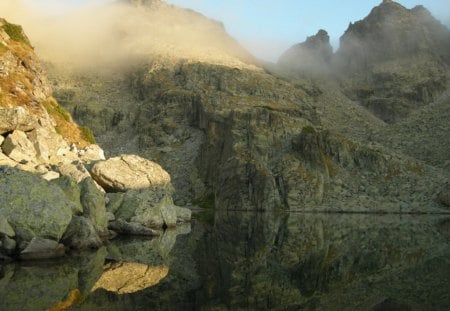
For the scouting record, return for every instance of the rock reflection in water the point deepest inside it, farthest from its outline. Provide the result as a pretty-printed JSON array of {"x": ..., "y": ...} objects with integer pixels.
[
  {"x": 258, "y": 261},
  {"x": 130, "y": 277},
  {"x": 65, "y": 283}
]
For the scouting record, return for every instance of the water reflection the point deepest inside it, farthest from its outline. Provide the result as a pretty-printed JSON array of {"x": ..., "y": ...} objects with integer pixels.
[
  {"x": 251, "y": 261},
  {"x": 129, "y": 277}
]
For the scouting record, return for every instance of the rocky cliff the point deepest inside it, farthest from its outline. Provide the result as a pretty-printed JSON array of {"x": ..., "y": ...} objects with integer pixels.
[
  {"x": 236, "y": 136},
  {"x": 395, "y": 60},
  {"x": 48, "y": 164}
]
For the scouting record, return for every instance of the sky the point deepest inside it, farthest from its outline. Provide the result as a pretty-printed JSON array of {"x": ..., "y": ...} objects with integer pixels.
[{"x": 269, "y": 27}]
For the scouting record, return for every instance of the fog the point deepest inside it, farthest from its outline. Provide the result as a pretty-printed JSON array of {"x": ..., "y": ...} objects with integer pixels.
[{"x": 120, "y": 31}]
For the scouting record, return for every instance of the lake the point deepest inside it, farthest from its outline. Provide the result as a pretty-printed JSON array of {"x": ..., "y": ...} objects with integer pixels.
[{"x": 250, "y": 261}]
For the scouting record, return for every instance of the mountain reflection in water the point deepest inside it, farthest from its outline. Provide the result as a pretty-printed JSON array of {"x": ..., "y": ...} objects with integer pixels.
[{"x": 251, "y": 261}]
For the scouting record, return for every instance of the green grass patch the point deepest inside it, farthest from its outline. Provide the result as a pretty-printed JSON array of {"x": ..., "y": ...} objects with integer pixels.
[
  {"x": 87, "y": 134},
  {"x": 55, "y": 109},
  {"x": 15, "y": 32}
]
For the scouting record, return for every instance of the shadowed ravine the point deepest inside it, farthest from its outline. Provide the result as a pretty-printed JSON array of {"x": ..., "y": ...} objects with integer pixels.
[{"x": 251, "y": 261}]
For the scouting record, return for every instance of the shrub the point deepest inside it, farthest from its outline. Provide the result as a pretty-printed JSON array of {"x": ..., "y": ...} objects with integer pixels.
[
  {"x": 87, "y": 134},
  {"x": 15, "y": 32}
]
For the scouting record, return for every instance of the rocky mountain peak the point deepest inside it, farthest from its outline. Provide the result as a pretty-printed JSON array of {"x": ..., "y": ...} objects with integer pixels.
[{"x": 311, "y": 56}]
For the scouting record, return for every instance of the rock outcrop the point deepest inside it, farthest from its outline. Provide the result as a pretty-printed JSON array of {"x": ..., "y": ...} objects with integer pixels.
[
  {"x": 394, "y": 60},
  {"x": 40, "y": 143}
]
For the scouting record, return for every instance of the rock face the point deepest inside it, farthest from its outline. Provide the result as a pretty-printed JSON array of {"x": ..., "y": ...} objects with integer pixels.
[
  {"x": 129, "y": 172},
  {"x": 310, "y": 57},
  {"x": 93, "y": 202},
  {"x": 395, "y": 60},
  {"x": 32, "y": 206}
]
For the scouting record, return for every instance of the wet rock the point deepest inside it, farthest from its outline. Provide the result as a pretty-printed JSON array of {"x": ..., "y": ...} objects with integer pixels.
[
  {"x": 18, "y": 147},
  {"x": 33, "y": 206},
  {"x": 93, "y": 202},
  {"x": 5, "y": 228},
  {"x": 129, "y": 172},
  {"x": 131, "y": 228},
  {"x": 40, "y": 248},
  {"x": 81, "y": 234}
]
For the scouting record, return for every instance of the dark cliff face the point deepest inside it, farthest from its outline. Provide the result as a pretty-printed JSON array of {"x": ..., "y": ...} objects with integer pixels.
[{"x": 231, "y": 132}]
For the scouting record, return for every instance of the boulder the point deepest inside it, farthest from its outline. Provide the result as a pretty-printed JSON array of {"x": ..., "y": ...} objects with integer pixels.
[
  {"x": 18, "y": 147},
  {"x": 6, "y": 161},
  {"x": 8, "y": 244},
  {"x": 93, "y": 202},
  {"x": 81, "y": 234},
  {"x": 127, "y": 172},
  {"x": 2, "y": 139},
  {"x": 46, "y": 143},
  {"x": 444, "y": 196},
  {"x": 91, "y": 153},
  {"x": 16, "y": 119},
  {"x": 114, "y": 201},
  {"x": 6, "y": 229},
  {"x": 40, "y": 248},
  {"x": 146, "y": 207},
  {"x": 131, "y": 228},
  {"x": 76, "y": 171},
  {"x": 33, "y": 206},
  {"x": 72, "y": 192}
]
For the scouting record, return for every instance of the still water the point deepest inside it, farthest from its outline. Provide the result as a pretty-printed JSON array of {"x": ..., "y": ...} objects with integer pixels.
[{"x": 251, "y": 261}]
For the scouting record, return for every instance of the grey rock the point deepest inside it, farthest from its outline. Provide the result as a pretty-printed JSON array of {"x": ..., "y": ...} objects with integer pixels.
[
  {"x": 131, "y": 228},
  {"x": 129, "y": 172},
  {"x": 18, "y": 147},
  {"x": 76, "y": 171},
  {"x": 16, "y": 119},
  {"x": 81, "y": 234},
  {"x": 40, "y": 248},
  {"x": 91, "y": 153},
  {"x": 72, "y": 192},
  {"x": 114, "y": 201},
  {"x": 33, "y": 207},
  {"x": 93, "y": 202},
  {"x": 8, "y": 244},
  {"x": 5, "y": 228},
  {"x": 169, "y": 214},
  {"x": 146, "y": 207}
]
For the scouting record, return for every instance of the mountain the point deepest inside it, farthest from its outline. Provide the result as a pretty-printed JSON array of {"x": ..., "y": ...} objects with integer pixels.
[
  {"x": 395, "y": 60},
  {"x": 312, "y": 56},
  {"x": 239, "y": 136}
]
